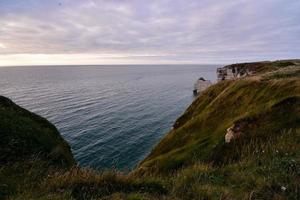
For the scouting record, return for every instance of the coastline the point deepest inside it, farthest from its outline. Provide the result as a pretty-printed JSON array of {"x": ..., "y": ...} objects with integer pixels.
[{"x": 230, "y": 160}]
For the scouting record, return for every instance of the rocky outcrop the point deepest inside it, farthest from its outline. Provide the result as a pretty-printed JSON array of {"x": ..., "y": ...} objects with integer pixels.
[
  {"x": 201, "y": 85},
  {"x": 240, "y": 70},
  {"x": 233, "y": 132},
  {"x": 233, "y": 71}
]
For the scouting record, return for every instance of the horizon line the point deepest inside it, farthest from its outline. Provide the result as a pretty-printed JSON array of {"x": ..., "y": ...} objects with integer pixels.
[{"x": 66, "y": 65}]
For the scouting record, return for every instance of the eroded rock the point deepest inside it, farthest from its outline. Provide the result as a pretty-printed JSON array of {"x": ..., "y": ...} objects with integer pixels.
[{"x": 233, "y": 133}]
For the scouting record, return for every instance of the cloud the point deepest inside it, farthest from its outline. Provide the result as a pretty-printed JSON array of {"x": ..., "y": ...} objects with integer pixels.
[
  {"x": 2, "y": 46},
  {"x": 191, "y": 31}
]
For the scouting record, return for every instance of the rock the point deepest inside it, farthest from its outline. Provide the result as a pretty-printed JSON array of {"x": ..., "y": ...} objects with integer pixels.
[
  {"x": 229, "y": 135},
  {"x": 283, "y": 188},
  {"x": 233, "y": 133},
  {"x": 201, "y": 85},
  {"x": 237, "y": 71}
]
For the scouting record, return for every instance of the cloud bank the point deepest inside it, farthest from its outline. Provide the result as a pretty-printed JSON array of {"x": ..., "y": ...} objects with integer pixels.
[{"x": 147, "y": 32}]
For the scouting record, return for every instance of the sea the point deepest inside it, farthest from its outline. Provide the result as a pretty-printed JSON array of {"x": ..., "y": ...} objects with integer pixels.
[{"x": 112, "y": 116}]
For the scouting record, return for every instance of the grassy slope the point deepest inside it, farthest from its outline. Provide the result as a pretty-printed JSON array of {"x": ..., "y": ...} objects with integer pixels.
[
  {"x": 266, "y": 103},
  {"x": 192, "y": 161},
  {"x": 268, "y": 170},
  {"x": 29, "y": 147},
  {"x": 24, "y": 133}
]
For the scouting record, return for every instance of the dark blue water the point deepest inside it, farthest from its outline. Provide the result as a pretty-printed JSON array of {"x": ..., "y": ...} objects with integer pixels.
[{"x": 112, "y": 116}]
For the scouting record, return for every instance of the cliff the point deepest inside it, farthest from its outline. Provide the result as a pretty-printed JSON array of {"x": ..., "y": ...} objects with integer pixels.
[
  {"x": 260, "y": 106},
  {"x": 239, "y": 139},
  {"x": 30, "y": 146},
  {"x": 24, "y": 134}
]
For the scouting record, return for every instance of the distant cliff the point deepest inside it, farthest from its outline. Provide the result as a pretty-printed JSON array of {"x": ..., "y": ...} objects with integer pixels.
[{"x": 240, "y": 70}]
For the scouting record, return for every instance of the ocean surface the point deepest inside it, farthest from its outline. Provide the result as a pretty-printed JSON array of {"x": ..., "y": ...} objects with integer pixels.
[{"x": 112, "y": 116}]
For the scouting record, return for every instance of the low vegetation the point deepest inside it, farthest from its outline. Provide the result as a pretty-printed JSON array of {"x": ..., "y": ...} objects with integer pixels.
[
  {"x": 193, "y": 161},
  {"x": 25, "y": 134},
  {"x": 262, "y": 105}
]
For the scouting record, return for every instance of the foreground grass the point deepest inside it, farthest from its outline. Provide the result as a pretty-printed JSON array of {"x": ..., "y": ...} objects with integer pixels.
[{"x": 267, "y": 170}]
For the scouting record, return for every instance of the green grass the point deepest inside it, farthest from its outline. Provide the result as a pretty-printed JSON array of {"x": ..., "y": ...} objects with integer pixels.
[
  {"x": 264, "y": 103},
  {"x": 22, "y": 178},
  {"x": 262, "y": 172},
  {"x": 24, "y": 134},
  {"x": 267, "y": 170}
]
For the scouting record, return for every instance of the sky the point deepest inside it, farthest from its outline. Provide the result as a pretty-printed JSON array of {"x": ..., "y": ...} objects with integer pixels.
[{"x": 67, "y": 32}]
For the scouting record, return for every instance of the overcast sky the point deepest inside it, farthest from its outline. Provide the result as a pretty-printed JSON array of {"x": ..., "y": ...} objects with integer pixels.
[{"x": 34, "y": 32}]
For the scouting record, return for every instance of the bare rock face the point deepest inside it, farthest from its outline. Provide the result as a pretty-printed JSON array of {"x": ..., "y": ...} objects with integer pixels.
[
  {"x": 201, "y": 85},
  {"x": 229, "y": 135},
  {"x": 233, "y": 72},
  {"x": 233, "y": 133}
]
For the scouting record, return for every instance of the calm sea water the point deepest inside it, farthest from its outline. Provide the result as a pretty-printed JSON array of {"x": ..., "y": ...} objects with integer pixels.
[{"x": 112, "y": 116}]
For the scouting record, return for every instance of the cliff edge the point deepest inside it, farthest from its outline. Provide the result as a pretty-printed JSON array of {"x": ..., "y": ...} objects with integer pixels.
[
  {"x": 259, "y": 106},
  {"x": 24, "y": 134},
  {"x": 239, "y": 139}
]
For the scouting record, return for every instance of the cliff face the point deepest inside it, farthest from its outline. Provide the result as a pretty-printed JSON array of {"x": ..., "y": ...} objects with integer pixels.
[
  {"x": 240, "y": 70},
  {"x": 24, "y": 135},
  {"x": 260, "y": 106}
]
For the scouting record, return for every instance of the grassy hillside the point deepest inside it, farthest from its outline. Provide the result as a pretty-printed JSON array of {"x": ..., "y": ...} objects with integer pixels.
[
  {"x": 29, "y": 147},
  {"x": 261, "y": 106},
  {"x": 192, "y": 161},
  {"x": 24, "y": 134}
]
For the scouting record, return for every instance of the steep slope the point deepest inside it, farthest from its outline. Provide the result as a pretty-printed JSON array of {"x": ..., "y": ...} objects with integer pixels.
[
  {"x": 260, "y": 106},
  {"x": 37, "y": 163},
  {"x": 24, "y": 134},
  {"x": 30, "y": 148}
]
